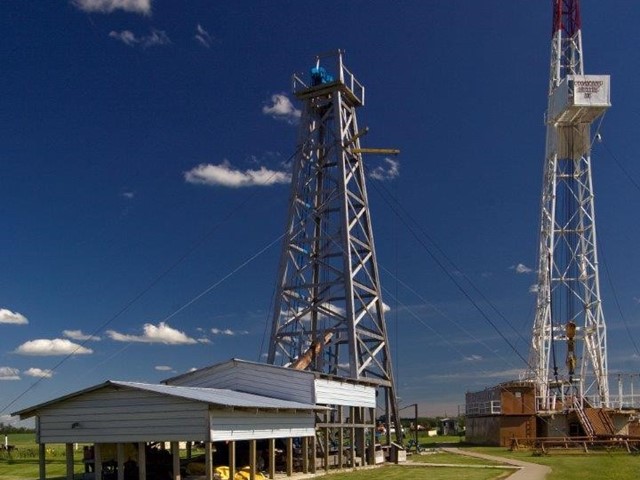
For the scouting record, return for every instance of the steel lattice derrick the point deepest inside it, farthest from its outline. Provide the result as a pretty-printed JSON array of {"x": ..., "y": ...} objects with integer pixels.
[
  {"x": 568, "y": 308},
  {"x": 328, "y": 306}
]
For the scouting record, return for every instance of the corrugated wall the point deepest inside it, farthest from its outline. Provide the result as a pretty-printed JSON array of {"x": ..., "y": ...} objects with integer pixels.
[
  {"x": 245, "y": 425},
  {"x": 120, "y": 415},
  {"x": 331, "y": 392}
]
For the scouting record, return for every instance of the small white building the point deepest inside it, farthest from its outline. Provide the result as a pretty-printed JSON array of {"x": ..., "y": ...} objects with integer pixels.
[{"x": 228, "y": 402}]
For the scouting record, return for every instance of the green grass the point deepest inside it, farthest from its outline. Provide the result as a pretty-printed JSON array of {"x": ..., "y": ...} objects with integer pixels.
[
  {"x": 421, "y": 473},
  {"x": 452, "y": 458},
  {"x": 22, "y": 463},
  {"x": 590, "y": 466}
]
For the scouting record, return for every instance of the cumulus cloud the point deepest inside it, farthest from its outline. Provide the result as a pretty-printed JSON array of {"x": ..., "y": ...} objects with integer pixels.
[
  {"x": 56, "y": 346},
  {"x": 521, "y": 268},
  {"x": 8, "y": 373},
  {"x": 107, "y": 6},
  {"x": 533, "y": 288},
  {"x": 163, "y": 368},
  {"x": 388, "y": 171},
  {"x": 281, "y": 108},
  {"x": 228, "y": 331},
  {"x": 204, "y": 340},
  {"x": 155, "y": 38},
  {"x": 202, "y": 36},
  {"x": 128, "y": 194},
  {"x": 227, "y": 176},
  {"x": 15, "y": 318},
  {"x": 162, "y": 333},
  {"x": 78, "y": 335},
  {"x": 39, "y": 373}
]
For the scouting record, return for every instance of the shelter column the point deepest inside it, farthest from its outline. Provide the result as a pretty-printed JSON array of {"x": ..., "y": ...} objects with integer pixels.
[
  {"x": 207, "y": 460},
  {"x": 312, "y": 441},
  {"x": 232, "y": 459},
  {"x": 272, "y": 458},
  {"x": 252, "y": 460},
  {"x": 175, "y": 456},
  {"x": 120, "y": 459},
  {"x": 69, "y": 458},
  {"x": 142, "y": 461},
  {"x": 42, "y": 452},
  {"x": 305, "y": 454},
  {"x": 289, "y": 456},
  {"x": 97, "y": 459}
]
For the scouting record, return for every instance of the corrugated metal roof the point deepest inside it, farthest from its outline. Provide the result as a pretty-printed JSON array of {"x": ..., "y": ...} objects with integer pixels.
[
  {"x": 219, "y": 396},
  {"x": 212, "y": 396}
]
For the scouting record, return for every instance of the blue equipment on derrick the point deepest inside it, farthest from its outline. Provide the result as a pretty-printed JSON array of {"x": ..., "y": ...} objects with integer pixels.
[{"x": 319, "y": 76}]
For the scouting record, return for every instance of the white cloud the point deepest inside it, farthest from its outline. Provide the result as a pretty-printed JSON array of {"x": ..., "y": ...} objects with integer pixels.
[
  {"x": 202, "y": 36},
  {"x": 521, "y": 268},
  {"x": 15, "y": 318},
  {"x": 39, "y": 373},
  {"x": 389, "y": 171},
  {"x": 225, "y": 175},
  {"x": 9, "y": 420},
  {"x": 128, "y": 195},
  {"x": 163, "y": 333},
  {"x": 56, "y": 346},
  {"x": 228, "y": 332},
  {"x": 107, "y": 6},
  {"x": 8, "y": 373},
  {"x": 155, "y": 38},
  {"x": 163, "y": 368},
  {"x": 78, "y": 335},
  {"x": 203, "y": 340},
  {"x": 281, "y": 108},
  {"x": 473, "y": 358},
  {"x": 533, "y": 288}
]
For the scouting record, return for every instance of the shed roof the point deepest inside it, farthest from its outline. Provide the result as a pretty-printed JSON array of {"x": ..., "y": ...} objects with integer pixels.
[
  {"x": 239, "y": 361},
  {"x": 211, "y": 396}
]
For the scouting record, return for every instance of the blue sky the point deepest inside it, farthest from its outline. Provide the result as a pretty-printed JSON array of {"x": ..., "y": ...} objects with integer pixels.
[{"x": 136, "y": 137}]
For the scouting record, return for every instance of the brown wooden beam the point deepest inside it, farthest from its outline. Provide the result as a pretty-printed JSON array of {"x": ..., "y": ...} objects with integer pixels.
[
  {"x": 42, "y": 458},
  {"x": 289, "y": 457},
  {"x": 142, "y": 461},
  {"x": 69, "y": 458},
  {"x": 272, "y": 458},
  {"x": 232, "y": 459}
]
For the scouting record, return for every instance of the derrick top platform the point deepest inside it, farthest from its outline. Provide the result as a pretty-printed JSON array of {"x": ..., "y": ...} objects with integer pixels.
[{"x": 328, "y": 77}]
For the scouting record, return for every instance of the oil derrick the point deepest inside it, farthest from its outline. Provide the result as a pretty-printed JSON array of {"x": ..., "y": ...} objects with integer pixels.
[
  {"x": 569, "y": 350},
  {"x": 328, "y": 312}
]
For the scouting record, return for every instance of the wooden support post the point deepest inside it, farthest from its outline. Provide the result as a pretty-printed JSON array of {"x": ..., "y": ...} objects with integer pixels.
[
  {"x": 97, "y": 458},
  {"x": 252, "y": 460},
  {"x": 272, "y": 458},
  {"x": 120, "y": 460},
  {"x": 175, "y": 456},
  {"x": 142, "y": 461},
  {"x": 208, "y": 460},
  {"x": 340, "y": 438},
  {"x": 352, "y": 446},
  {"x": 372, "y": 443},
  {"x": 69, "y": 458},
  {"x": 42, "y": 458},
  {"x": 189, "y": 450},
  {"x": 305, "y": 454},
  {"x": 289, "y": 456},
  {"x": 232, "y": 459},
  {"x": 326, "y": 449},
  {"x": 313, "y": 449},
  {"x": 360, "y": 435}
]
